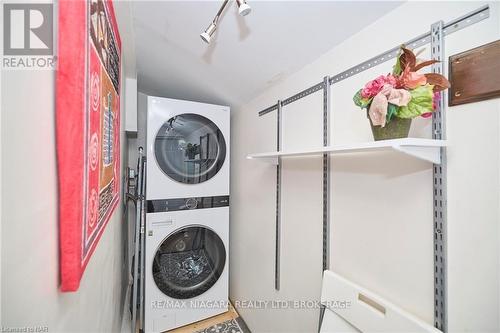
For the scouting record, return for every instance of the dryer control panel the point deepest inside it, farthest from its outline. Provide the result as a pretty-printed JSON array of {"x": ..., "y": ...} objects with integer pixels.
[{"x": 170, "y": 205}]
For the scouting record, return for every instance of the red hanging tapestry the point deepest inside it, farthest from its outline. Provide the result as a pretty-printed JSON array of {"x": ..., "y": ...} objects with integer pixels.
[{"x": 88, "y": 130}]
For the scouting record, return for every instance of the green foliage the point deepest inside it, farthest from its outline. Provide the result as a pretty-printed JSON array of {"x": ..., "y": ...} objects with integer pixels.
[
  {"x": 360, "y": 101},
  {"x": 392, "y": 110},
  {"x": 396, "y": 69},
  {"x": 420, "y": 103}
]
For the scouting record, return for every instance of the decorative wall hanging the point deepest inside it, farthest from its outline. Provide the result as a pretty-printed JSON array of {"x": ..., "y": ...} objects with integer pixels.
[
  {"x": 475, "y": 74},
  {"x": 88, "y": 130}
]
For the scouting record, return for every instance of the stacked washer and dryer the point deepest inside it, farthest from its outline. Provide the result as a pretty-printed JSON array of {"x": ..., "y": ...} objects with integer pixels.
[{"x": 187, "y": 213}]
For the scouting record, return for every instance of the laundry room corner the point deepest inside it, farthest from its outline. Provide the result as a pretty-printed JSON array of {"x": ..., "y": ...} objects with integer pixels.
[{"x": 249, "y": 166}]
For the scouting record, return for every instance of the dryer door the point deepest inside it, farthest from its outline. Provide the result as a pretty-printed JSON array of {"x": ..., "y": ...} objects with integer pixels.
[
  {"x": 189, "y": 262},
  {"x": 190, "y": 148}
]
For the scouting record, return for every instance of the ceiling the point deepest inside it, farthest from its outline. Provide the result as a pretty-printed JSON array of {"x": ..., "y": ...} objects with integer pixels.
[{"x": 248, "y": 54}]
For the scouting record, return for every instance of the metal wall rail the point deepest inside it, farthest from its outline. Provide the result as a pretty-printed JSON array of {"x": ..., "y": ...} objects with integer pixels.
[
  {"x": 448, "y": 28},
  {"x": 142, "y": 267},
  {"x": 139, "y": 195},
  {"x": 326, "y": 184},
  {"x": 294, "y": 98},
  {"x": 326, "y": 174},
  {"x": 439, "y": 188},
  {"x": 277, "y": 262}
]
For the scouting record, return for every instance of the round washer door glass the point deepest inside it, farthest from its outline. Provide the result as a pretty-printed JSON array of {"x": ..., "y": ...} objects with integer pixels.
[
  {"x": 189, "y": 262},
  {"x": 190, "y": 148}
]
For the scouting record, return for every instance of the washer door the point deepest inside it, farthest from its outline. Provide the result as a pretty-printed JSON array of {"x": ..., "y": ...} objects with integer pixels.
[
  {"x": 189, "y": 262},
  {"x": 190, "y": 148}
]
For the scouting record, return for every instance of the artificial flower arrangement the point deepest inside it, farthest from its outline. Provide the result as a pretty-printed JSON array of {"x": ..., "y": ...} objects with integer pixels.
[
  {"x": 393, "y": 100},
  {"x": 192, "y": 150}
]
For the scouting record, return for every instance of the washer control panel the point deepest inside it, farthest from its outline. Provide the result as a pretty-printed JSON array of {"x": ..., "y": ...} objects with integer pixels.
[
  {"x": 191, "y": 203},
  {"x": 170, "y": 205}
]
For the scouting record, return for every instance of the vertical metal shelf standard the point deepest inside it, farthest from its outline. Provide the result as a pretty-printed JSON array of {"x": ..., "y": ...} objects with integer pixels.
[
  {"x": 326, "y": 174},
  {"x": 436, "y": 38},
  {"x": 138, "y": 261},
  {"x": 277, "y": 262},
  {"x": 439, "y": 187},
  {"x": 143, "y": 243}
]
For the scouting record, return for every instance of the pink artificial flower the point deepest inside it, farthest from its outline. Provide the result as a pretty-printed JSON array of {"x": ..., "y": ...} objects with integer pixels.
[
  {"x": 388, "y": 94},
  {"x": 391, "y": 79},
  {"x": 373, "y": 87},
  {"x": 399, "y": 97},
  {"x": 435, "y": 99},
  {"x": 378, "y": 110}
]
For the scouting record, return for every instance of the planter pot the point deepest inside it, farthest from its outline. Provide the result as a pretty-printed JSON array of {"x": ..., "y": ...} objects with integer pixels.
[{"x": 397, "y": 128}]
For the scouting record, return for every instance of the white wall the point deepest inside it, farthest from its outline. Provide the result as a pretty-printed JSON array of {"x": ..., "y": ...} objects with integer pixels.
[
  {"x": 381, "y": 203},
  {"x": 29, "y": 240},
  {"x": 131, "y": 102},
  {"x": 1, "y": 186}
]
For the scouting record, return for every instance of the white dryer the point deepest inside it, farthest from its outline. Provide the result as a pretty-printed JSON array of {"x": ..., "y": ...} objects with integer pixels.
[
  {"x": 187, "y": 149},
  {"x": 186, "y": 273}
]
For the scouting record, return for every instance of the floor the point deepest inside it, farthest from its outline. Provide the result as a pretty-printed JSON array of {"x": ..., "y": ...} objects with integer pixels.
[{"x": 228, "y": 322}]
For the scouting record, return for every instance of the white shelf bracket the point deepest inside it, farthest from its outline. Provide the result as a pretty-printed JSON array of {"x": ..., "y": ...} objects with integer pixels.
[{"x": 430, "y": 154}]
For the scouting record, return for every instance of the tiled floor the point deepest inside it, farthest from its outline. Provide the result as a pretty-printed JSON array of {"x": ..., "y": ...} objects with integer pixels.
[{"x": 228, "y": 322}]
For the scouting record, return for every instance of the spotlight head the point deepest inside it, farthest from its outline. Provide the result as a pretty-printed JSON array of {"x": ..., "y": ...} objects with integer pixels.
[
  {"x": 243, "y": 8},
  {"x": 207, "y": 34},
  {"x": 206, "y": 37}
]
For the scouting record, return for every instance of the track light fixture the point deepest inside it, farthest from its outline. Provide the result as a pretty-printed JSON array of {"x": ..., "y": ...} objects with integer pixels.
[
  {"x": 207, "y": 34},
  {"x": 243, "y": 9}
]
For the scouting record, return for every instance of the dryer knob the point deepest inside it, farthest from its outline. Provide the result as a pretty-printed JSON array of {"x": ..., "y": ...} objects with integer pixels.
[{"x": 191, "y": 203}]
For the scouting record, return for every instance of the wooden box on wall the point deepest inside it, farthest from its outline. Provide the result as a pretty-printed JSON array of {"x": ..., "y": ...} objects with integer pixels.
[{"x": 475, "y": 74}]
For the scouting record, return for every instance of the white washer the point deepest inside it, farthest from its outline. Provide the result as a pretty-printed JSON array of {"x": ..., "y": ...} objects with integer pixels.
[
  {"x": 187, "y": 149},
  {"x": 187, "y": 263}
]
